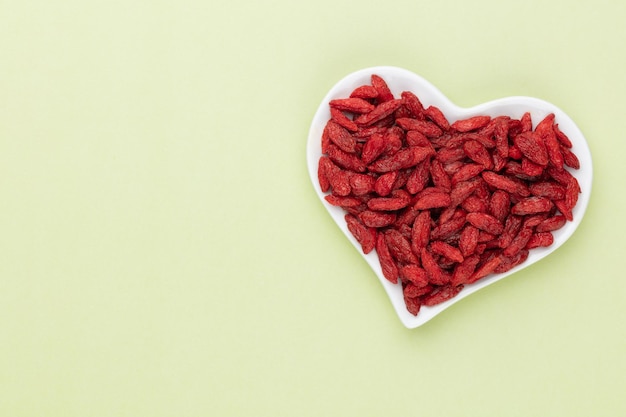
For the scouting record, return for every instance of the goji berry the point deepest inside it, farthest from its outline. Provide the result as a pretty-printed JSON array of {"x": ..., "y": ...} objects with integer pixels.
[
  {"x": 413, "y": 305},
  {"x": 464, "y": 270},
  {"x": 413, "y": 103},
  {"x": 462, "y": 190},
  {"x": 467, "y": 172},
  {"x": 378, "y": 113},
  {"x": 470, "y": 124},
  {"x": 384, "y": 93},
  {"x": 436, "y": 274},
  {"x": 532, "y": 205},
  {"x": 468, "y": 240},
  {"x": 354, "y": 105},
  {"x": 341, "y": 119},
  {"x": 397, "y": 200},
  {"x": 366, "y": 236},
  {"x": 499, "y": 205},
  {"x": 432, "y": 200},
  {"x": 485, "y": 269},
  {"x": 551, "y": 224},
  {"x": 436, "y": 115},
  {"x": 361, "y": 184},
  {"x": 365, "y": 92},
  {"x": 377, "y": 219},
  {"x": 414, "y": 274},
  {"x": 400, "y": 247},
  {"x": 439, "y": 176},
  {"x": 420, "y": 232},
  {"x": 428, "y": 129},
  {"x": 444, "y": 249},
  {"x": 384, "y": 184},
  {"x": 533, "y": 147},
  {"x": 540, "y": 239},
  {"x": 486, "y": 222},
  {"x": 387, "y": 264},
  {"x": 404, "y": 158},
  {"x": 441, "y": 294}
]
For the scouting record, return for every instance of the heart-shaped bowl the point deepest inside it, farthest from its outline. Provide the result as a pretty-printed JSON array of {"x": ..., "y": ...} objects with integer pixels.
[{"x": 400, "y": 80}]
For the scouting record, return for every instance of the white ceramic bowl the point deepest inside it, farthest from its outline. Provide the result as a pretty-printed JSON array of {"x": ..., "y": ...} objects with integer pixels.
[{"x": 400, "y": 80}]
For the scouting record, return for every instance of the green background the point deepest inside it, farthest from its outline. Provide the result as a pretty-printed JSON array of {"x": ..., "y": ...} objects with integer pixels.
[{"x": 163, "y": 253}]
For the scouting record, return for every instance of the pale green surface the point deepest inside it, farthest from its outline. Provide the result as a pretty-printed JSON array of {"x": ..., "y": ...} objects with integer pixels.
[{"x": 164, "y": 254}]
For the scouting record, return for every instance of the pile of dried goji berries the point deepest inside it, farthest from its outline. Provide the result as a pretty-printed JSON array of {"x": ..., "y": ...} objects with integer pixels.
[{"x": 443, "y": 204}]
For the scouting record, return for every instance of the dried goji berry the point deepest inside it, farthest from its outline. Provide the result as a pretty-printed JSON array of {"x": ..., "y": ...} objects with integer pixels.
[
  {"x": 400, "y": 247},
  {"x": 475, "y": 204},
  {"x": 414, "y": 274},
  {"x": 530, "y": 168},
  {"x": 549, "y": 189},
  {"x": 342, "y": 201},
  {"x": 441, "y": 294},
  {"x": 341, "y": 137},
  {"x": 404, "y": 158},
  {"x": 519, "y": 242},
  {"x": 532, "y": 205},
  {"x": 384, "y": 184},
  {"x": 533, "y": 147},
  {"x": 499, "y": 205},
  {"x": 468, "y": 240},
  {"x": 428, "y": 129},
  {"x": 569, "y": 158},
  {"x": 552, "y": 223},
  {"x": 486, "y": 222},
  {"x": 378, "y": 113},
  {"x": 413, "y": 305},
  {"x": 448, "y": 229},
  {"x": 322, "y": 176},
  {"x": 413, "y": 103},
  {"x": 384, "y": 93},
  {"x": 451, "y": 154},
  {"x": 554, "y": 149},
  {"x": 345, "y": 160},
  {"x": 339, "y": 180},
  {"x": 485, "y": 269},
  {"x": 387, "y": 264},
  {"x": 435, "y": 114},
  {"x": 467, "y": 172},
  {"x": 373, "y": 148},
  {"x": 365, "y": 92},
  {"x": 418, "y": 178},
  {"x": 436, "y": 275},
  {"x": 397, "y": 200},
  {"x": 464, "y": 270},
  {"x": 361, "y": 184},
  {"x": 420, "y": 232},
  {"x": 439, "y": 176},
  {"x": 462, "y": 190},
  {"x": 540, "y": 239},
  {"x": 505, "y": 183},
  {"x": 562, "y": 137},
  {"x": 354, "y": 105},
  {"x": 366, "y": 236},
  {"x": 340, "y": 118},
  {"x": 509, "y": 263},
  {"x": 526, "y": 122},
  {"x": 472, "y": 123},
  {"x": 393, "y": 140},
  {"x": 442, "y": 248},
  {"x": 377, "y": 219},
  {"x": 432, "y": 200}
]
